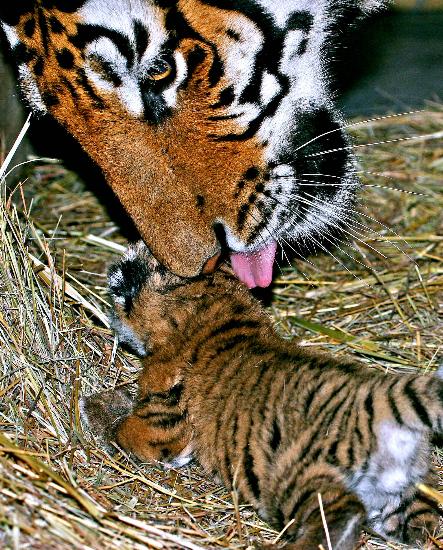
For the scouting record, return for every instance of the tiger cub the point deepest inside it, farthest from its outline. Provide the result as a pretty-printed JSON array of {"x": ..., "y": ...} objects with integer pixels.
[{"x": 287, "y": 424}]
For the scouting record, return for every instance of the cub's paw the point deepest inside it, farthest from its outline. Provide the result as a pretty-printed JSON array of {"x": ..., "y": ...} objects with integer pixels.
[{"x": 103, "y": 412}]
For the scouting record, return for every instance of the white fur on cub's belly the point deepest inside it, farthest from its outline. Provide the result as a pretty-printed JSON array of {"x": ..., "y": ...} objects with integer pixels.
[{"x": 399, "y": 462}]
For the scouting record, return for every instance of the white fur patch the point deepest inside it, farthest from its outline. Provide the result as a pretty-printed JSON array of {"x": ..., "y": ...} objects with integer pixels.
[
  {"x": 30, "y": 89},
  {"x": 269, "y": 88},
  {"x": 11, "y": 34},
  {"x": 185, "y": 457},
  {"x": 400, "y": 461}
]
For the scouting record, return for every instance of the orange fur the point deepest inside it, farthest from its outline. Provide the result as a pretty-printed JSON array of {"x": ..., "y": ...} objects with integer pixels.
[{"x": 156, "y": 179}]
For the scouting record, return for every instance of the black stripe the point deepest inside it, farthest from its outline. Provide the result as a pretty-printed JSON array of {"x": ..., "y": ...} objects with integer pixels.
[
  {"x": 222, "y": 329},
  {"x": 393, "y": 404},
  {"x": 83, "y": 81},
  {"x": 88, "y": 33},
  {"x": 226, "y": 97},
  {"x": 29, "y": 27},
  {"x": 179, "y": 26},
  {"x": 248, "y": 466},
  {"x": 300, "y": 20},
  {"x": 23, "y": 54},
  {"x": 275, "y": 435},
  {"x": 217, "y": 69},
  {"x": 163, "y": 442},
  {"x": 358, "y": 432},
  {"x": 307, "y": 494},
  {"x": 322, "y": 420},
  {"x": 56, "y": 25},
  {"x": 39, "y": 66},
  {"x": 228, "y": 345},
  {"x": 268, "y": 111},
  {"x": 107, "y": 71},
  {"x": 310, "y": 397},
  {"x": 234, "y": 324},
  {"x": 369, "y": 408},
  {"x": 224, "y": 117},
  {"x": 248, "y": 460},
  {"x": 44, "y": 30},
  {"x": 417, "y": 404},
  {"x": 195, "y": 58},
  {"x": 72, "y": 90},
  {"x": 168, "y": 421},
  {"x": 141, "y": 34},
  {"x": 170, "y": 397}
]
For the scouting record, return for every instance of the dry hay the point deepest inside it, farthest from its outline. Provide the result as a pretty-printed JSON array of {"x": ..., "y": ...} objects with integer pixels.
[{"x": 380, "y": 299}]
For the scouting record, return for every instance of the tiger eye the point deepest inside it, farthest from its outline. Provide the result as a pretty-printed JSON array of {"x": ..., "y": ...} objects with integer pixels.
[{"x": 161, "y": 71}]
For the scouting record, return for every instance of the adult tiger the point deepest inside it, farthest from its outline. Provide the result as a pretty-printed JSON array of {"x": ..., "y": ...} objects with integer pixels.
[{"x": 205, "y": 116}]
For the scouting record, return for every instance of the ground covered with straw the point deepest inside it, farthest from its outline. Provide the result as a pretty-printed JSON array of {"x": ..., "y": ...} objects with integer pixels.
[{"x": 378, "y": 298}]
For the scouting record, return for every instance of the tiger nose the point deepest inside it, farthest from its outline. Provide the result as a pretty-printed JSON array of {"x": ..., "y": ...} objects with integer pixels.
[{"x": 211, "y": 264}]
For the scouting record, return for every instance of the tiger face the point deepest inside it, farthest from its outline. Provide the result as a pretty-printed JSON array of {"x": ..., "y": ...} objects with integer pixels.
[{"x": 212, "y": 121}]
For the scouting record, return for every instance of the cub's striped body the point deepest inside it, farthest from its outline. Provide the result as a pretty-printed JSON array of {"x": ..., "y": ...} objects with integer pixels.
[
  {"x": 209, "y": 118},
  {"x": 285, "y": 424}
]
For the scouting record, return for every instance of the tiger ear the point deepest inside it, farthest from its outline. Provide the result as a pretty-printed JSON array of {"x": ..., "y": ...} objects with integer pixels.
[{"x": 28, "y": 86}]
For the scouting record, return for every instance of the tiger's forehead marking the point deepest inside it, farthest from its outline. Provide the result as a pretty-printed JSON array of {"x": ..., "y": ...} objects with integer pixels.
[
  {"x": 129, "y": 41},
  {"x": 113, "y": 15}
]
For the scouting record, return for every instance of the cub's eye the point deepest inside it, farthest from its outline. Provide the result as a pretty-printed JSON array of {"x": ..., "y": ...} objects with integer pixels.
[{"x": 160, "y": 71}]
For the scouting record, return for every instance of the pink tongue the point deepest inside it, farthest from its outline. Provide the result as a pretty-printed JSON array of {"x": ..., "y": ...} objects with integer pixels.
[{"x": 255, "y": 268}]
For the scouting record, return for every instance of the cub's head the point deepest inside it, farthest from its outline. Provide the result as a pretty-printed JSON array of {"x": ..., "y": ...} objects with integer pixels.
[
  {"x": 211, "y": 120},
  {"x": 154, "y": 309},
  {"x": 152, "y": 306}
]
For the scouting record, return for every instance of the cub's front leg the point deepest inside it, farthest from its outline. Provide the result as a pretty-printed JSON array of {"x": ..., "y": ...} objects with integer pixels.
[{"x": 154, "y": 425}]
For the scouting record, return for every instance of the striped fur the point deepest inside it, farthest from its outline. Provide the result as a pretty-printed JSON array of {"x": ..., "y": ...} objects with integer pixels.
[
  {"x": 220, "y": 385},
  {"x": 205, "y": 116}
]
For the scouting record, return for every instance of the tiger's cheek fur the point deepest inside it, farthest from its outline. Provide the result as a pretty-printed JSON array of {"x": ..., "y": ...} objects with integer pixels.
[
  {"x": 172, "y": 178},
  {"x": 216, "y": 146}
]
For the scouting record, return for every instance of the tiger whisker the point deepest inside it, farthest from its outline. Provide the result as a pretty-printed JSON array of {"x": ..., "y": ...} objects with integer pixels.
[
  {"x": 316, "y": 205},
  {"x": 317, "y": 183},
  {"x": 374, "y": 232},
  {"x": 424, "y": 137},
  {"x": 328, "y": 252},
  {"x": 335, "y": 242},
  {"x": 303, "y": 258},
  {"x": 358, "y": 212},
  {"x": 375, "y": 185},
  {"x": 353, "y": 124},
  {"x": 365, "y": 228},
  {"x": 341, "y": 228}
]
